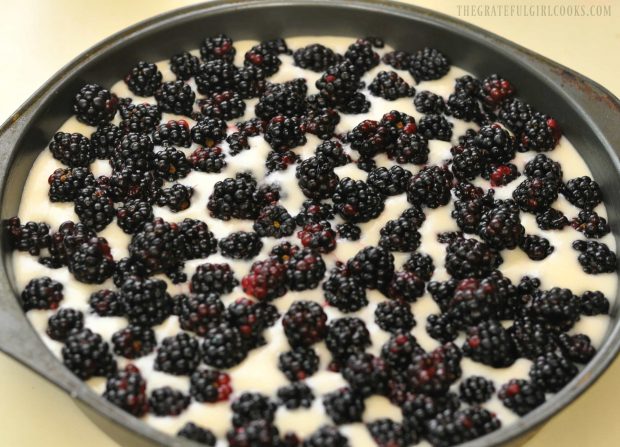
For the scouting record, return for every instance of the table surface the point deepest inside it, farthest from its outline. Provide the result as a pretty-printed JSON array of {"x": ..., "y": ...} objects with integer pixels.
[{"x": 34, "y": 413}]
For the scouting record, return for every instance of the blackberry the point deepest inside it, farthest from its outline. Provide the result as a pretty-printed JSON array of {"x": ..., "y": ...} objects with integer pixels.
[
  {"x": 198, "y": 241},
  {"x": 429, "y": 103},
  {"x": 537, "y": 248},
  {"x": 495, "y": 90},
  {"x": 126, "y": 268},
  {"x": 127, "y": 390},
  {"x": 442, "y": 292},
  {"x": 133, "y": 342},
  {"x": 184, "y": 65},
  {"x": 172, "y": 133},
  {"x": 318, "y": 236},
  {"x": 349, "y": 231},
  {"x": 266, "y": 280},
  {"x": 368, "y": 138},
  {"x": 464, "y": 107},
  {"x": 225, "y": 105},
  {"x": 94, "y": 105},
  {"x": 497, "y": 144},
  {"x": 104, "y": 140},
  {"x": 551, "y": 219},
  {"x": 284, "y": 133},
  {"x": 344, "y": 292},
  {"x": 322, "y": 123},
  {"x": 344, "y": 406},
  {"x": 139, "y": 118},
  {"x": 593, "y": 303},
  {"x": 473, "y": 301},
  {"x": 176, "y": 198},
  {"x": 583, "y": 192},
  {"x": 388, "y": 85},
  {"x": 432, "y": 373},
  {"x": 366, "y": 374},
  {"x": 470, "y": 258},
  {"x": 556, "y": 307},
  {"x": 442, "y": 327},
  {"x": 72, "y": 149},
  {"x": 249, "y": 407},
  {"x": 366, "y": 163},
  {"x": 304, "y": 323},
  {"x": 143, "y": 79},
  {"x": 451, "y": 428},
  {"x": 281, "y": 99},
  {"x": 60, "y": 325},
  {"x": 66, "y": 183},
  {"x": 197, "y": 434},
  {"x": 145, "y": 301},
  {"x": 577, "y": 348},
  {"x": 315, "y": 57},
  {"x": 356, "y": 201},
  {"x": 249, "y": 82},
  {"x": 514, "y": 113},
  {"x": 552, "y": 372},
  {"x": 106, "y": 303},
  {"x": 430, "y": 187},
  {"x": 535, "y": 195},
  {"x": 316, "y": 178},
  {"x": 296, "y": 395},
  {"x": 386, "y": 432},
  {"x": 428, "y": 64},
  {"x": 91, "y": 262},
  {"x": 178, "y": 355},
  {"x": 157, "y": 246},
  {"x": 199, "y": 312},
  {"x": 171, "y": 164},
  {"x": 591, "y": 224},
  {"x": 208, "y": 159},
  {"x": 531, "y": 338},
  {"x": 542, "y": 166},
  {"x": 468, "y": 162},
  {"x": 298, "y": 364},
  {"x": 541, "y": 133},
  {"x": 87, "y": 355},
  {"x": 405, "y": 286},
  {"x": 409, "y": 148},
  {"x": 223, "y": 347},
  {"x": 217, "y": 47},
  {"x": 501, "y": 175},
  {"x": 389, "y": 182},
  {"x": 214, "y": 76},
  {"x": 234, "y": 198},
  {"x": 237, "y": 142},
  {"x": 595, "y": 257},
  {"x": 419, "y": 408},
  {"x": 476, "y": 390},
  {"x": 339, "y": 82},
  {"x": 400, "y": 235},
  {"x": 361, "y": 55},
  {"x": 241, "y": 245},
  {"x": 521, "y": 396},
  {"x": 31, "y": 237},
  {"x": 167, "y": 401},
  {"x": 326, "y": 436},
  {"x": 397, "y": 59},
  {"x": 251, "y": 318},
  {"x": 317, "y": 103},
  {"x": 263, "y": 58},
  {"x": 258, "y": 433},
  {"x": 175, "y": 97},
  {"x": 274, "y": 221},
  {"x": 209, "y": 385},
  {"x": 133, "y": 215},
  {"x": 280, "y": 161},
  {"x": 218, "y": 279},
  {"x": 373, "y": 266},
  {"x": 469, "y": 213},
  {"x": 468, "y": 85},
  {"x": 94, "y": 208},
  {"x": 305, "y": 270},
  {"x": 208, "y": 131},
  {"x": 501, "y": 227},
  {"x": 394, "y": 316},
  {"x": 135, "y": 152},
  {"x": 400, "y": 349},
  {"x": 129, "y": 183},
  {"x": 489, "y": 343},
  {"x": 347, "y": 336}
]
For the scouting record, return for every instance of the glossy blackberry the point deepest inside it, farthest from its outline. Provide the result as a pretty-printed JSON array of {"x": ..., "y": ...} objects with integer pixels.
[
  {"x": 60, "y": 325},
  {"x": 280, "y": 161},
  {"x": 72, "y": 149},
  {"x": 94, "y": 208},
  {"x": 472, "y": 302},
  {"x": 339, "y": 82},
  {"x": 496, "y": 143},
  {"x": 65, "y": 183},
  {"x": 452, "y": 428},
  {"x": 388, "y": 85},
  {"x": 500, "y": 175},
  {"x": 91, "y": 262},
  {"x": 399, "y": 350},
  {"x": 556, "y": 307},
  {"x": 214, "y": 76},
  {"x": 536, "y": 247},
  {"x": 583, "y": 192},
  {"x": 172, "y": 133},
  {"x": 223, "y": 347},
  {"x": 197, "y": 434},
  {"x": 175, "y": 97},
  {"x": 551, "y": 219},
  {"x": 237, "y": 142},
  {"x": 176, "y": 198},
  {"x": 469, "y": 213},
  {"x": 249, "y": 407},
  {"x": 541, "y": 133},
  {"x": 251, "y": 318},
  {"x": 106, "y": 303},
  {"x": 127, "y": 390},
  {"x": 428, "y": 64},
  {"x": 286, "y": 99},
  {"x": 258, "y": 433},
  {"x": 343, "y": 291},
  {"x": 386, "y": 432},
  {"x": 326, "y": 436},
  {"x": 296, "y": 395},
  {"x": 368, "y": 138},
  {"x": 535, "y": 195},
  {"x": 409, "y": 148},
  {"x": 349, "y": 231},
  {"x": 225, "y": 105},
  {"x": 87, "y": 355},
  {"x": 419, "y": 408},
  {"x": 442, "y": 327},
  {"x": 373, "y": 267},
  {"x": 430, "y": 187},
  {"x": 274, "y": 221},
  {"x": 31, "y": 237},
  {"x": 366, "y": 374},
  {"x": 514, "y": 113},
  {"x": 126, "y": 268},
  {"x": 314, "y": 211},
  {"x": 284, "y": 133},
  {"x": 215, "y": 279},
  {"x": 552, "y": 372},
  {"x": 361, "y": 55},
  {"x": 356, "y": 201},
  {"x": 249, "y": 82},
  {"x": 104, "y": 140},
  {"x": 196, "y": 239},
  {"x": 464, "y": 107},
  {"x": 217, "y": 47},
  {"x": 531, "y": 338},
  {"x": 468, "y": 85},
  {"x": 208, "y": 159},
  {"x": 145, "y": 301},
  {"x": 234, "y": 198},
  {"x": 405, "y": 286},
  {"x": 129, "y": 183},
  {"x": 394, "y": 316},
  {"x": 470, "y": 258},
  {"x": 495, "y": 90},
  {"x": 476, "y": 390},
  {"x": 591, "y": 224},
  {"x": 305, "y": 270},
  {"x": 94, "y": 105},
  {"x": 315, "y": 57},
  {"x": 542, "y": 166},
  {"x": 266, "y": 280},
  {"x": 178, "y": 355},
  {"x": 389, "y": 182},
  {"x": 347, "y": 336},
  {"x": 304, "y": 323},
  {"x": 489, "y": 343},
  {"x": 184, "y": 65},
  {"x": 209, "y": 131},
  {"x": 429, "y": 103},
  {"x": 501, "y": 226},
  {"x": 521, "y": 396},
  {"x": 171, "y": 164},
  {"x": 140, "y": 118},
  {"x": 593, "y": 303},
  {"x": 134, "y": 152},
  {"x": 299, "y": 363},
  {"x": 595, "y": 257},
  {"x": 397, "y": 59},
  {"x": 432, "y": 373},
  {"x": 209, "y": 385},
  {"x": 167, "y": 401},
  {"x": 262, "y": 58},
  {"x": 318, "y": 236},
  {"x": 199, "y": 312},
  {"x": 143, "y": 79},
  {"x": 317, "y": 103},
  {"x": 134, "y": 341},
  {"x": 577, "y": 348},
  {"x": 400, "y": 235},
  {"x": 133, "y": 215},
  {"x": 344, "y": 406},
  {"x": 241, "y": 245},
  {"x": 322, "y": 123},
  {"x": 468, "y": 162}
]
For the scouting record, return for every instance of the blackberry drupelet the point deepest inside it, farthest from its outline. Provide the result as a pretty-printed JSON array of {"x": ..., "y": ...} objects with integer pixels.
[
  {"x": 577, "y": 348},
  {"x": 176, "y": 198},
  {"x": 583, "y": 192},
  {"x": 432, "y": 373},
  {"x": 266, "y": 280},
  {"x": 470, "y": 258},
  {"x": 421, "y": 264},
  {"x": 31, "y": 237},
  {"x": 127, "y": 390},
  {"x": 218, "y": 279},
  {"x": 296, "y": 395},
  {"x": 428, "y": 64},
  {"x": 167, "y": 401},
  {"x": 495, "y": 90},
  {"x": 498, "y": 145},
  {"x": 315, "y": 57},
  {"x": 72, "y": 149},
  {"x": 361, "y": 55},
  {"x": 501, "y": 226},
  {"x": 442, "y": 327},
  {"x": 134, "y": 341},
  {"x": 133, "y": 215},
  {"x": 536, "y": 247},
  {"x": 388, "y": 85},
  {"x": 409, "y": 148},
  {"x": 197, "y": 434},
  {"x": 552, "y": 372},
  {"x": 373, "y": 266},
  {"x": 344, "y": 406},
  {"x": 184, "y": 65},
  {"x": 429, "y": 103},
  {"x": 172, "y": 133},
  {"x": 199, "y": 312},
  {"x": 464, "y": 107},
  {"x": 430, "y": 187},
  {"x": 87, "y": 355},
  {"x": 234, "y": 198},
  {"x": 284, "y": 133},
  {"x": 178, "y": 355},
  {"x": 489, "y": 343},
  {"x": 145, "y": 301},
  {"x": 476, "y": 390},
  {"x": 343, "y": 291},
  {"x": 60, "y": 325},
  {"x": 595, "y": 257},
  {"x": 106, "y": 303},
  {"x": 399, "y": 350},
  {"x": 591, "y": 224},
  {"x": 349, "y": 231},
  {"x": 94, "y": 105},
  {"x": 171, "y": 164},
  {"x": 347, "y": 336},
  {"x": 536, "y": 195},
  {"x": 400, "y": 235},
  {"x": 208, "y": 131},
  {"x": 389, "y": 182},
  {"x": 394, "y": 316},
  {"x": 223, "y": 347},
  {"x": 366, "y": 374},
  {"x": 521, "y": 396},
  {"x": 241, "y": 245},
  {"x": 551, "y": 219},
  {"x": 356, "y": 201},
  {"x": 214, "y": 76},
  {"x": 249, "y": 407},
  {"x": 514, "y": 113},
  {"x": 541, "y": 133},
  {"x": 542, "y": 166},
  {"x": 209, "y": 385},
  {"x": 593, "y": 303},
  {"x": 304, "y": 323},
  {"x": 451, "y": 428},
  {"x": 143, "y": 79},
  {"x": 397, "y": 59},
  {"x": 299, "y": 363}
]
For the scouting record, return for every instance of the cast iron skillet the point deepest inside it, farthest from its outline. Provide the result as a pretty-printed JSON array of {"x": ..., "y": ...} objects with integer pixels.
[{"x": 588, "y": 113}]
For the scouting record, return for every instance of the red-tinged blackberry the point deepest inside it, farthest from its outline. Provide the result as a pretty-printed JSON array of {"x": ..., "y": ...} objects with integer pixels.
[
  {"x": 143, "y": 79},
  {"x": 72, "y": 149},
  {"x": 318, "y": 236},
  {"x": 514, "y": 113},
  {"x": 299, "y": 363},
  {"x": 356, "y": 201},
  {"x": 172, "y": 133},
  {"x": 223, "y": 347},
  {"x": 178, "y": 355},
  {"x": 225, "y": 105},
  {"x": 361, "y": 55},
  {"x": 284, "y": 133},
  {"x": 241, "y": 245},
  {"x": 470, "y": 258},
  {"x": 468, "y": 162},
  {"x": 217, "y": 47},
  {"x": 65, "y": 183},
  {"x": 531, "y": 338},
  {"x": 139, "y": 118},
  {"x": 199, "y": 312},
  {"x": 315, "y": 57},
  {"x": 442, "y": 327},
  {"x": 106, "y": 303},
  {"x": 429, "y": 103},
  {"x": 452, "y": 428},
  {"x": 94, "y": 105},
  {"x": 87, "y": 355},
  {"x": 237, "y": 142},
  {"x": 104, "y": 140},
  {"x": 316, "y": 178},
  {"x": 431, "y": 187},
  {"x": 432, "y": 373},
  {"x": 171, "y": 164},
  {"x": 234, "y": 198},
  {"x": 428, "y": 64},
  {"x": 387, "y": 433},
  {"x": 208, "y": 132},
  {"x": 591, "y": 224},
  {"x": 314, "y": 211},
  {"x": 296, "y": 395},
  {"x": 145, "y": 301},
  {"x": 266, "y": 280},
  {"x": 400, "y": 235},
  {"x": 249, "y": 407},
  {"x": 176, "y": 198},
  {"x": 536, "y": 195},
  {"x": 389, "y": 182},
  {"x": 593, "y": 303},
  {"x": 198, "y": 242},
  {"x": 551, "y": 219},
  {"x": 215, "y": 76},
  {"x": 500, "y": 175},
  {"x": 373, "y": 266},
  {"x": 397, "y": 59},
  {"x": 167, "y": 401},
  {"x": 133, "y": 215},
  {"x": 94, "y": 208},
  {"x": 349, "y": 231},
  {"x": 552, "y": 372},
  {"x": 464, "y": 107},
  {"x": 208, "y": 159},
  {"x": 304, "y": 323},
  {"x": 541, "y": 133},
  {"x": 209, "y": 385},
  {"x": 521, "y": 396},
  {"x": 305, "y": 270},
  {"x": 280, "y": 161},
  {"x": 322, "y": 123},
  {"x": 405, "y": 286},
  {"x": 473, "y": 301},
  {"x": 368, "y": 138},
  {"x": 394, "y": 316},
  {"x": 31, "y": 237},
  {"x": 495, "y": 90},
  {"x": 251, "y": 318},
  {"x": 339, "y": 82},
  {"x": 398, "y": 123},
  {"x": 60, "y": 325},
  {"x": 91, "y": 262},
  {"x": 332, "y": 152},
  {"x": 400, "y": 349},
  {"x": 489, "y": 343},
  {"x": 262, "y": 58},
  {"x": 184, "y": 65},
  {"x": 501, "y": 226},
  {"x": 542, "y": 166},
  {"x": 390, "y": 86},
  {"x": 127, "y": 390},
  {"x": 595, "y": 257},
  {"x": 218, "y": 279},
  {"x": 343, "y": 291},
  {"x": 468, "y": 213},
  {"x": 409, "y": 148},
  {"x": 476, "y": 390},
  {"x": 468, "y": 85},
  {"x": 536, "y": 247},
  {"x": 274, "y": 221},
  {"x": 583, "y": 192},
  {"x": 326, "y": 436},
  {"x": 197, "y": 434},
  {"x": 175, "y": 97},
  {"x": 366, "y": 374},
  {"x": 347, "y": 336},
  {"x": 577, "y": 348},
  {"x": 497, "y": 144},
  {"x": 133, "y": 342},
  {"x": 344, "y": 406},
  {"x": 556, "y": 307}
]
